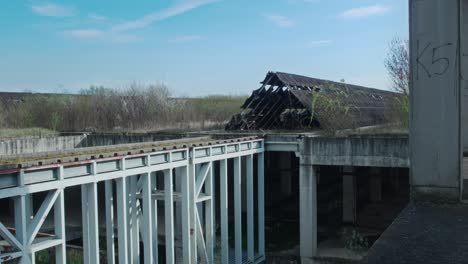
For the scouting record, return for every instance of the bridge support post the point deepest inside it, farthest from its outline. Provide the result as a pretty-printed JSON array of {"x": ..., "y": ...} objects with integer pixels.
[
  {"x": 261, "y": 203},
  {"x": 59, "y": 223},
  {"x": 308, "y": 210},
  {"x": 122, "y": 219},
  {"x": 185, "y": 213},
  {"x": 238, "y": 209},
  {"x": 22, "y": 218},
  {"x": 250, "y": 208},
  {"x": 223, "y": 190},
  {"x": 154, "y": 212},
  {"x": 109, "y": 196},
  {"x": 90, "y": 223},
  {"x": 169, "y": 216}
]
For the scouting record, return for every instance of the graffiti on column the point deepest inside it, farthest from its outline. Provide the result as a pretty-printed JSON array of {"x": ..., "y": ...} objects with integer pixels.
[{"x": 430, "y": 60}]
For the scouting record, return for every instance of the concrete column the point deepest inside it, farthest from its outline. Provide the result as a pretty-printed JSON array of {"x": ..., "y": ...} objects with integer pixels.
[
  {"x": 375, "y": 185},
  {"x": 436, "y": 141},
  {"x": 349, "y": 195},
  {"x": 308, "y": 211},
  {"x": 286, "y": 173}
]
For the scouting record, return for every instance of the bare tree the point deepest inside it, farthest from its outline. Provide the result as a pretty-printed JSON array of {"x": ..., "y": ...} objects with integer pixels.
[{"x": 398, "y": 65}]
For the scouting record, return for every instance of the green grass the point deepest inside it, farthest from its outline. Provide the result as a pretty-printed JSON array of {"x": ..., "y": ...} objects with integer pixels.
[
  {"x": 74, "y": 256},
  {"x": 23, "y": 132},
  {"x": 218, "y": 106}
]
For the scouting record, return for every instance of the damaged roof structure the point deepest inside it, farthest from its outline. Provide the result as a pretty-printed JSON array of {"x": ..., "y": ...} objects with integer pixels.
[{"x": 293, "y": 102}]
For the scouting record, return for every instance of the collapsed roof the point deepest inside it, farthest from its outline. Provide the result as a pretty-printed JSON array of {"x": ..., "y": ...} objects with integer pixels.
[{"x": 293, "y": 102}]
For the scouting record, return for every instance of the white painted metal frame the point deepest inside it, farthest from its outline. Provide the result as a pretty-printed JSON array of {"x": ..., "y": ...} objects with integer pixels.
[
  {"x": 130, "y": 181},
  {"x": 203, "y": 178}
]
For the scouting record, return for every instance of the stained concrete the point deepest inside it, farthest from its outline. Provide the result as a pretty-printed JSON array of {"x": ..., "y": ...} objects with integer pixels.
[
  {"x": 424, "y": 233},
  {"x": 27, "y": 145}
]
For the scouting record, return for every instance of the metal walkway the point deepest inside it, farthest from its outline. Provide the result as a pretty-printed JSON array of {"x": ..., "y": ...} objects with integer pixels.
[{"x": 135, "y": 182}]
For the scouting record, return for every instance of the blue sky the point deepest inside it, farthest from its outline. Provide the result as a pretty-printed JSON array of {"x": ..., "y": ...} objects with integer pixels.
[{"x": 196, "y": 47}]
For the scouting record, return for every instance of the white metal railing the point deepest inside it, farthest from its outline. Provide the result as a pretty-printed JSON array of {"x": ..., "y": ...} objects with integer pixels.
[{"x": 132, "y": 181}]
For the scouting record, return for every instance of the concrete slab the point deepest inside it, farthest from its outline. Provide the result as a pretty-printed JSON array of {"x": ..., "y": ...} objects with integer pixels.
[{"x": 424, "y": 233}]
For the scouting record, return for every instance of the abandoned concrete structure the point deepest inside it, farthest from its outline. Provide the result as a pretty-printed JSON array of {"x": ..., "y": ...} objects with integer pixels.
[
  {"x": 188, "y": 199},
  {"x": 294, "y": 102},
  {"x": 208, "y": 200}
]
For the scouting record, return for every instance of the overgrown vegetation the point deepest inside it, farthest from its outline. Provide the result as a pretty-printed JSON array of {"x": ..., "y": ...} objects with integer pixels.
[
  {"x": 137, "y": 108},
  {"x": 22, "y": 132},
  {"x": 74, "y": 256},
  {"x": 354, "y": 240},
  {"x": 397, "y": 64},
  {"x": 337, "y": 112}
]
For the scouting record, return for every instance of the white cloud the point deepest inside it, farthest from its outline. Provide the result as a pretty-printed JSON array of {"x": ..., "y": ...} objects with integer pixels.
[
  {"x": 364, "y": 11},
  {"x": 52, "y": 10},
  {"x": 117, "y": 33},
  {"x": 94, "y": 16},
  {"x": 172, "y": 11},
  {"x": 85, "y": 33},
  {"x": 319, "y": 43},
  {"x": 95, "y": 34},
  {"x": 184, "y": 39},
  {"x": 280, "y": 21},
  {"x": 124, "y": 38},
  {"x": 302, "y": 1}
]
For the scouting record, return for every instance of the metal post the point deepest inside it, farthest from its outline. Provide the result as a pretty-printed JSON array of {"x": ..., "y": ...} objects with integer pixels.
[
  {"x": 85, "y": 223},
  {"x": 154, "y": 209},
  {"x": 122, "y": 219},
  {"x": 147, "y": 218},
  {"x": 185, "y": 210},
  {"x": 238, "y": 209},
  {"x": 93, "y": 224},
  {"x": 250, "y": 209},
  {"x": 209, "y": 236},
  {"x": 109, "y": 196},
  {"x": 59, "y": 221},
  {"x": 261, "y": 203},
  {"x": 178, "y": 206},
  {"x": 193, "y": 212},
  {"x": 135, "y": 241},
  {"x": 223, "y": 190},
  {"x": 21, "y": 228},
  {"x": 169, "y": 216}
]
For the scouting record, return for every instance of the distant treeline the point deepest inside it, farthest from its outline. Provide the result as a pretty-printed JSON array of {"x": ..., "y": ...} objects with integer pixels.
[{"x": 136, "y": 108}]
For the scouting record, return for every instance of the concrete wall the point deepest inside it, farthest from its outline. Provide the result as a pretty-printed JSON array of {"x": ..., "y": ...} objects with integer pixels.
[
  {"x": 25, "y": 145},
  {"x": 28, "y": 145},
  {"x": 436, "y": 142},
  {"x": 371, "y": 151},
  {"x": 464, "y": 69},
  {"x": 108, "y": 139}
]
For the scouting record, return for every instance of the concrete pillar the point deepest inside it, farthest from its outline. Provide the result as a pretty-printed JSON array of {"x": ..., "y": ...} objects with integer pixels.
[
  {"x": 286, "y": 173},
  {"x": 375, "y": 185},
  {"x": 308, "y": 211},
  {"x": 435, "y": 90},
  {"x": 349, "y": 195},
  {"x": 464, "y": 90}
]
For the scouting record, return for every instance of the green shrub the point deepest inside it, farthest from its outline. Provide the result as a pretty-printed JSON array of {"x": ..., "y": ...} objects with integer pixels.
[{"x": 354, "y": 240}]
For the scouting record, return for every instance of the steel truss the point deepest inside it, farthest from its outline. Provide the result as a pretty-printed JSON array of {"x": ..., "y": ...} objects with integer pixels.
[{"x": 132, "y": 181}]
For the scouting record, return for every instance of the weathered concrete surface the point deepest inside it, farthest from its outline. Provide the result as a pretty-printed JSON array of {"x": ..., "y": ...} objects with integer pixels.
[
  {"x": 81, "y": 154},
  {"x": 424, "y": 233},
  {"x": 370, "y": 151},
  {"x": 26, "y": 145},
  {"x": 436, "y": 143},
  {"x": 108, "y": 139}
]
